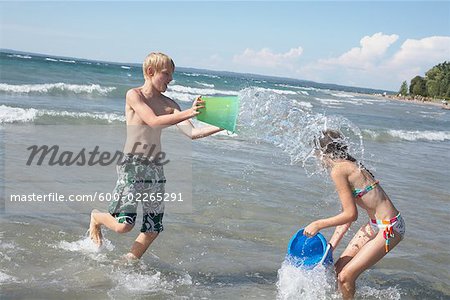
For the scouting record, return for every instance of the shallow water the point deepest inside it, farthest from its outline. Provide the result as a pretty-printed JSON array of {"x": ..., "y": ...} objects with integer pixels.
[{"x": 251, "y": 192}]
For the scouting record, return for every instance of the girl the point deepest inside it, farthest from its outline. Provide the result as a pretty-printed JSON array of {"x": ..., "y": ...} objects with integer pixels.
[{"x": 356, "y": 185}]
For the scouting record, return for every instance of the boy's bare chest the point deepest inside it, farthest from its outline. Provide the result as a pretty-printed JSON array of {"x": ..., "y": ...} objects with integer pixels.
[{"x": 160, "y": 108}]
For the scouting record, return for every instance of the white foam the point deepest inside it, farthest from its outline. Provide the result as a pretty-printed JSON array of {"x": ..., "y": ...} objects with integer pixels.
[
  {"x": 420, "y": 135},
  {"x": 198, "y": 91},
  {"x": 6, "y": 278},
  {"x": 67, "y": 61},
  {"x": 342, "y": 95},
  {"x": 137, "y": 282},
  {"x": 125, "y": 67},
  {"x": 50, "y": 59},
  {"x": 20, "y": 56},
  {"x": 198, "y": 74},
  {"x": 298, "y": 283},
  {"x": 55, "y": 87},
  {"x": 15, "y": 114},
  {"x": 391, "y": 293},
  {"x": 276, "y": 91},
  {"x": 205, "y": 84},
  {"x": 183, "y": 97},
  {"x": 85, "y": 245}
]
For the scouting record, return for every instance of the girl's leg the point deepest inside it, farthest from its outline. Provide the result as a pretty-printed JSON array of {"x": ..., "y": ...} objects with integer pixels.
[
  {"x": 364, "y": 234},
  {"x": 366, "y": 257}
]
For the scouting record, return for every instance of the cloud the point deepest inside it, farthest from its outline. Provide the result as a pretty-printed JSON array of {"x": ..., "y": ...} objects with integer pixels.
[
  {"x": 418, "y": 52},
  {"x": 372, "y": 49},
  {"x": 265, "y": 58},
  {"x": 370, "y": 66}
]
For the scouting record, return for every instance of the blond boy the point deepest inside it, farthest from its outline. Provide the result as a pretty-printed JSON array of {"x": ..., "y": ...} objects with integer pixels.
[{"x": 147, "y": 112}]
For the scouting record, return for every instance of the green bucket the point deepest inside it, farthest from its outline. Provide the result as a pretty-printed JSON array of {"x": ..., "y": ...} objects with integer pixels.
[{"x": 220, "y": 111}]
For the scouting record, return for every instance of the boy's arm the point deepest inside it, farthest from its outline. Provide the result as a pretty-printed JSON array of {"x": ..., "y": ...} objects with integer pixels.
[
  {"x": 151, "y": 119},
  {"x": 189, "y": 130}
]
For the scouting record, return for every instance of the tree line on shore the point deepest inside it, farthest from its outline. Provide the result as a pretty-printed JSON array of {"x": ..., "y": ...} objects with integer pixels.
[{"x": 435, "y": 84}]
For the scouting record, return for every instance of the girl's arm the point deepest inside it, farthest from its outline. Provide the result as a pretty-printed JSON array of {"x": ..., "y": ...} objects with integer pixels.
[
  {"x": 339, "y": 234},
  {"x": 349, "y": 212}
]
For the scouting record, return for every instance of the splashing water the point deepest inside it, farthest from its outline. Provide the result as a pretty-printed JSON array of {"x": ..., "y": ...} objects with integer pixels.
[
  {"x": 298, "y": 283},
  {"x": 291, "y": 125}
]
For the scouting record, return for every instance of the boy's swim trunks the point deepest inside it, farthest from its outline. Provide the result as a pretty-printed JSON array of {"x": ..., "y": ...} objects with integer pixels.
[{"x": 139, "y": 180}]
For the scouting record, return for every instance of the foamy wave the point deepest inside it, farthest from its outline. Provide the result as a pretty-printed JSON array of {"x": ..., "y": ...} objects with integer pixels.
[
  {"x": 54, "y": 88},
  {"x": 183, "y": 97},
  {"x": 408, "y": 135},
  {"x": 15, "y": 114},
  {"x": 198, "y": 91},
  {"x": 198, "y": 74},
  {"x": 304, "y": 89},
  {"x": 20, "y": 56},
  {"x": 67, "y": 61},
  {"x": 420, "y": 135},
  {"x": 50, "y": 59},
  {"x": 204, "y": 84},
  {"x": 276, "y": 91},
  {"x": 125, "y": 67},
  {"x": 342, "y": 95}
]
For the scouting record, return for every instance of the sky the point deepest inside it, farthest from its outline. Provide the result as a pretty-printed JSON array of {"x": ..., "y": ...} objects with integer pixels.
[{"x": 376, "y": 44}]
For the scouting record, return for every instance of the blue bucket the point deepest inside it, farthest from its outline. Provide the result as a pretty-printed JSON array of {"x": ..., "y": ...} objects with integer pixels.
[{"x": 309, "y": 252}]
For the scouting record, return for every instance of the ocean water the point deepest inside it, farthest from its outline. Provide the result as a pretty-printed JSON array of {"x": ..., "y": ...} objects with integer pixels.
[{"x": 251, "y": 191}]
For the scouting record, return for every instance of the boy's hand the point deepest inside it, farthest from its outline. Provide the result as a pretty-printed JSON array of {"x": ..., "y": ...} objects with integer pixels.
[{"x": 198, "y": 103}]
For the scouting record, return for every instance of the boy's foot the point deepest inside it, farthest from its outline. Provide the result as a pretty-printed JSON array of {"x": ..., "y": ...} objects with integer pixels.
[{"x": 95, "y": 231}]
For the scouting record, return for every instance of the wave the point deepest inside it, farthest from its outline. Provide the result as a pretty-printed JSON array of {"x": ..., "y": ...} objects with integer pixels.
[
  {"x": 407, "y": 135},
  {"x": 55, "y": 89},
  {"x": 199, "y": 91},
  {"x": 20, "y": 56},
  {"x": 26, "y": 115},
  {"x": 125, "y": 67},
  {"x": 205, "y": 84},
  {"x": 276, "y": 91},
  {"x": 198, "y": 74},
  {"x": 342, "y": 95}
]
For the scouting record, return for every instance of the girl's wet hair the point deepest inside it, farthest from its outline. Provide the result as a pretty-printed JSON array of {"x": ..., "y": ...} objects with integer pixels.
[{"x": 333, "y": 143}]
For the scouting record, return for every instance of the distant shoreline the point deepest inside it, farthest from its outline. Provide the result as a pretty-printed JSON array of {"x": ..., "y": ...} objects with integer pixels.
[{"x": 418, "y": 100}]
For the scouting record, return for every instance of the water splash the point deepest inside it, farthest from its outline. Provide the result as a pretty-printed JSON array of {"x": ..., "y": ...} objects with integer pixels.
[
  {"x": 298, "y": 283},
  {"x": 292, "y": 125}
]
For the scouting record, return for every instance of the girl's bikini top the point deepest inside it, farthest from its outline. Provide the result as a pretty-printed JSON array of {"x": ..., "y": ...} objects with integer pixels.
[{"x": 359, "y": 193}]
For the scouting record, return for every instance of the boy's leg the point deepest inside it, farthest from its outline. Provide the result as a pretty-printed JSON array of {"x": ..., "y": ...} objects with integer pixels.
[
  {"x": 98, "y": 219},
  {"x": 141, "y": 244},
  {"x": 367, "y": 256},
  {"x": 364, "y": 234}
]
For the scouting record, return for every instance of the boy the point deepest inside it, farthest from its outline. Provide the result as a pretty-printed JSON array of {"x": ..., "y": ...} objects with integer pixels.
[{"x": 147, "y": 112}]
